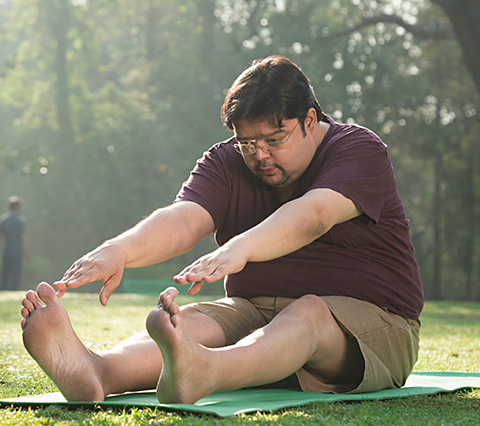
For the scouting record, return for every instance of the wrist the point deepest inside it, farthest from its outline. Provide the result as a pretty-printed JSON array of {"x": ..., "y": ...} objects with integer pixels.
[
  {"x": 119, "y": 249},
  {"x": 241, "y": 246}
]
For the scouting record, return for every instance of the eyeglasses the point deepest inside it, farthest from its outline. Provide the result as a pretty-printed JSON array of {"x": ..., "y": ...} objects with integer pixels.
[{"x": 271, "y": 144}]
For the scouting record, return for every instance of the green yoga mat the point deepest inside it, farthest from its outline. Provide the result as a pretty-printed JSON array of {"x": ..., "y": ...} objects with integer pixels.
[{"x": 226, "y": 404}]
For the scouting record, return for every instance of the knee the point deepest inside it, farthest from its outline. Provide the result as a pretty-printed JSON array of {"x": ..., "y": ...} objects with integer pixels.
[
  {"x": 312, "y": 310},
  {"x": 202, "y": 328},
  {"x": 312, "y": 304}
]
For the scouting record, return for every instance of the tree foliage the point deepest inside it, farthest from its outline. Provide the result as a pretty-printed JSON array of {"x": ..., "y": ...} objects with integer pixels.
[{"x": 106, "y": 105}]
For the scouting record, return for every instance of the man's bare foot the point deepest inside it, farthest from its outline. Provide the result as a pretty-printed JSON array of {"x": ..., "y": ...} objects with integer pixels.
[
  {"x": 50, "y": 339},
  {"x": 187, "y": 373}
]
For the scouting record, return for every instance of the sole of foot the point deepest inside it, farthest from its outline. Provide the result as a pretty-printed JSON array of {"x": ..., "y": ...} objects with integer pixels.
[
  {"x": 50, "y": 339},
  {"x": 185, "y": 376}
]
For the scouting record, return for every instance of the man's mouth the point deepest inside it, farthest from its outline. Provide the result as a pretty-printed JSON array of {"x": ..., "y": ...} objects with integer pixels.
[{"x": 265, "y": 169}]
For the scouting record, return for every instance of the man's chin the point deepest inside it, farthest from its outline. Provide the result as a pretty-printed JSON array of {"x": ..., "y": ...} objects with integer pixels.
[{"x": 274, "y": 181}]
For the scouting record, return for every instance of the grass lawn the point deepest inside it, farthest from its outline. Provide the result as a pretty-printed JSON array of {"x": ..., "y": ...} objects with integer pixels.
[{"x": 450, "y": 341}]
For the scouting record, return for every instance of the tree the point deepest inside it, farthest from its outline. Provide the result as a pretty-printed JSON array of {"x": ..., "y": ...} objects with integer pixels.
[
  {"x": 408, "y": 53},
  {"x": 105, "y": 106},
  {"x": 464, "y": 16}
]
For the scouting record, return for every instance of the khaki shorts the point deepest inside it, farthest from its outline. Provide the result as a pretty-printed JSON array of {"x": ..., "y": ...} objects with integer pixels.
[{"x": 388, "y": 342}]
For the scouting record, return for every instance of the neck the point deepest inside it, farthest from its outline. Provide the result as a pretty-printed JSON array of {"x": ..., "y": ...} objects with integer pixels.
[
  {"x": 285, "y": 192},
  {"x": 322, "y": 129}
]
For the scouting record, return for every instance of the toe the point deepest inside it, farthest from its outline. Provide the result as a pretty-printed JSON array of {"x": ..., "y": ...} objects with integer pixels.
[
  {"x": 174, "y": 309},
  {"x": 47, "y": 293},
  {"x": 164, "y": 301},
  {"x": 170, "y": 291},
  {"x": 31, "y": 300},
  {"x": 167, "y": 297},
  {"x": 25, "y": 312},
  {"x": 27, "y": 305},
  {"x": 176, "y": 321}
]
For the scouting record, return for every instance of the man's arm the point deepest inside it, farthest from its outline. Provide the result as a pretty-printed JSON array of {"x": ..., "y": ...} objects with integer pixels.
[
  {"x": 294, "y": 225},
  {"x": 166, "y": 233}
]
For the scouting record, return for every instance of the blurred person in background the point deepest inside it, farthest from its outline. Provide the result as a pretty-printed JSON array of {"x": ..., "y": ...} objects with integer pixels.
[{"x": 15, "y": 245}]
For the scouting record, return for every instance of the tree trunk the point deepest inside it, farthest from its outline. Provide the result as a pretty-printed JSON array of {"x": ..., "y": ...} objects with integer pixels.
[
  {"x": 436, "y": 289},
  {"x": 464, "y": 15},
  {"x": 470, "y": 203},
  {"x": 59, "y": 18}
]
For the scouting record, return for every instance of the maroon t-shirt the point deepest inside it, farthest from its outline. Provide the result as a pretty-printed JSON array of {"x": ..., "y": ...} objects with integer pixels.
[{"x": 368, "y": 258}]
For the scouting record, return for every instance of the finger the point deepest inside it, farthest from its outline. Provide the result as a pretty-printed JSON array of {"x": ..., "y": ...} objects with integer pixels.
[
  {"x": 213, "y": 273},
  {"x": 199, "y": 265},
  {"x": 189, "y": 278},
  {"x": 195, "y": 288},
  {"x": 217, "y": 274},
  {"x": 70, "y": 270},
  {"x": 188, "y": 275},
  {"x": 60, "y": 286},
  {"x": 80, "y": 279},
  {"x": 196, "y": 275},
  {"x": 74, "y": 280},
  {"x": 79, "y": 267},
  {"x": 192, "y": 267},
  {"x": 179, "y": 279},
  {"x": 109, "y": 287},
  {"x": 61, "y": 293},
  {"x": 104, "y": 296}
]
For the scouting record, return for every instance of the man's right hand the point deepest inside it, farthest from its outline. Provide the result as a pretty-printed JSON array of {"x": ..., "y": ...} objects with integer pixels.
[
  {"x": 106, "y": 264},
  {"x": 166, "y": 233}
]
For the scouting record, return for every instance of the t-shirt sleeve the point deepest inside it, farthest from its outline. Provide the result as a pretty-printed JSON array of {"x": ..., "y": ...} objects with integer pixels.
[
  {"x": 209, "y": 183},
  {"x": 358, "y": 166}
]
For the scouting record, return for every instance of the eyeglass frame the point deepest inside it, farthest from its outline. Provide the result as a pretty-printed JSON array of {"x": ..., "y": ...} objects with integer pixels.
[{"x": 253, "y": 148}]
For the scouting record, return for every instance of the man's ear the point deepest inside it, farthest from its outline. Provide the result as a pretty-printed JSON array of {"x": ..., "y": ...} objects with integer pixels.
[{"x": 311, "y": 119}]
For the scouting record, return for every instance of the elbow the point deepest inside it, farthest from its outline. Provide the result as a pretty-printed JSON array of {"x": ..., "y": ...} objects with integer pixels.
[
  {"x": 320, "y": 228},
  {"x": 315, "y": 226}
]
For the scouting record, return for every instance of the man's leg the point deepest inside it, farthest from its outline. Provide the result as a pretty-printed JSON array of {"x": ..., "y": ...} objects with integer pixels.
[
  {"x": 81, "y": 374},
  {"x": 304, "y": 334},
  {"x": 5, "y": 273},
  {"x": 16, "y": 272}
]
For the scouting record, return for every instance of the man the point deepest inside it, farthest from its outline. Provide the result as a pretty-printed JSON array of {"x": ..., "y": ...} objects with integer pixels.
[
  {"x": 323, "y": 291},
  {"x": 15, "y": 245}
]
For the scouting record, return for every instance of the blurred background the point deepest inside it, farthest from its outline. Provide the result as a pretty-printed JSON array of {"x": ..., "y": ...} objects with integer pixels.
[{"x": 105, "y": 105}]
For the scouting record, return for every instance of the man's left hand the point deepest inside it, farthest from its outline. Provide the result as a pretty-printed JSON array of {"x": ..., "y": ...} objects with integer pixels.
[{"x": 228, "y": 259}]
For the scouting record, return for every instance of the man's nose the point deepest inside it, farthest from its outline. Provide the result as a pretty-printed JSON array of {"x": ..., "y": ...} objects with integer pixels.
[{"x": 260, "y": 154}]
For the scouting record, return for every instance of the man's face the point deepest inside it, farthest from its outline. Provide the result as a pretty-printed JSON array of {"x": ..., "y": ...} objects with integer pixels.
[{"x": 282, "y": 154}]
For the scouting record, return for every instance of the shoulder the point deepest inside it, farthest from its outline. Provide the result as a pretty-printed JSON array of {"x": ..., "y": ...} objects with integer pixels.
[
  {"x": 6, "y": 217},
  {"x": 352, "y": 147},
  {"x": 352, "y": 137},
  {"x": 11, "y": 222},
  {"x": 221, "y": 150},
  {"x": 220, "y": 160}
]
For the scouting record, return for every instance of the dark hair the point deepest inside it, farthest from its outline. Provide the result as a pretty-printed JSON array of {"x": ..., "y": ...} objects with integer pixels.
[
  {"x": 14, "y": 203},
  {"x": 273, "y": 88}
]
